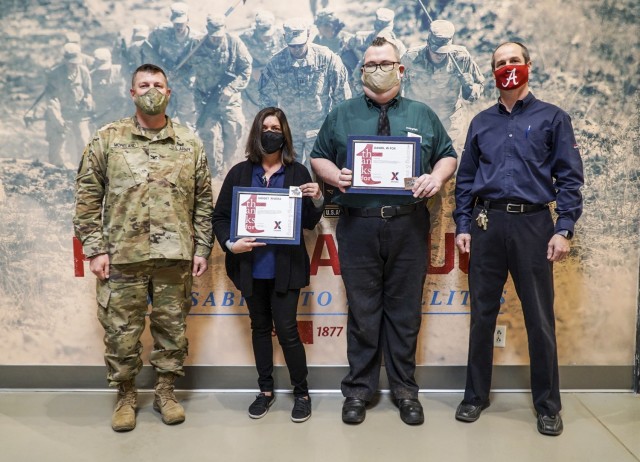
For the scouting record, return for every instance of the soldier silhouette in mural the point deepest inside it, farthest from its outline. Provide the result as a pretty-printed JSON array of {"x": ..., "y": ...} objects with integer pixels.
[
  {"x": 330, "y": 32},
  {"x": 137, "y": 52},
  {"x": 65, "y": 105},
  {"x": 109, "y": 88},
  {"x": 306, "y": 81},
  {"x": 442, "y": 75},
  {"x": 168, "y": 43},
  {"x": 263, "y": 40},
  {"x": 221, "y": 66},
  {"x": 72, "y": 36}
]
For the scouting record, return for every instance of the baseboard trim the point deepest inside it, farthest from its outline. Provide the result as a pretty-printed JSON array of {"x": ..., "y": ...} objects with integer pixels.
[{"x": 433, "y": 378}]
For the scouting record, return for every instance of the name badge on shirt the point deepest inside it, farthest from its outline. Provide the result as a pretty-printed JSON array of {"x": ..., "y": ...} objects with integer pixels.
[{"x": 412, "y": 134}]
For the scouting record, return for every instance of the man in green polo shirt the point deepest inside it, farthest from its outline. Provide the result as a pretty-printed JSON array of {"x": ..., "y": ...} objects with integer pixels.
[{"x": 382, "y": 238}]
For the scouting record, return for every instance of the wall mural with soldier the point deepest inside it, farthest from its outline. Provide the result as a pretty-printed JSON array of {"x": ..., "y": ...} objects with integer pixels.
[{"x": 67, "y": 67}]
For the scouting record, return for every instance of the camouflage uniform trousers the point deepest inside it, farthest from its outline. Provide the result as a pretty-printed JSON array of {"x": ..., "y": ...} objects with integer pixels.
[
  {"x": 70, "y": 130},
  {"x": 122, "y": 305},
  {"x": 220, "y": 129}
]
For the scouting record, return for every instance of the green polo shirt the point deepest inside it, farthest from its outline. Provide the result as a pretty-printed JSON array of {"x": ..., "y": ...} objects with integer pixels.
[{"x": 359, "y": 116}]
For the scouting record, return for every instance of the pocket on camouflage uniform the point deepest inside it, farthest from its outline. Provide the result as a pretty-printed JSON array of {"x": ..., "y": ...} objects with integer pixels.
[
  {"x": 103, "y": 293},
  {"x": 183, "y": 175},
  {"x": 119, "y": 171}
]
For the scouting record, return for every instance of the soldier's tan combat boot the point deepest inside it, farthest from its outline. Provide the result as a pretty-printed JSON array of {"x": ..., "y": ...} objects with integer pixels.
[
  {"x": 123, "y": 418},
  {"x": 165, "y": 400}
]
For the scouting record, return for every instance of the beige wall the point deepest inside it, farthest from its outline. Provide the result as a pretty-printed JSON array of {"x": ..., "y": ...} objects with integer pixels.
[{"x": 47, "y": 314}]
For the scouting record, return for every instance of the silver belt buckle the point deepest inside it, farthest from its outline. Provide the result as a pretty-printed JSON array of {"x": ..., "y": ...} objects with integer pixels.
[
  {"x": 382, "y": 215},
  {"x": 515, "y": 208}
]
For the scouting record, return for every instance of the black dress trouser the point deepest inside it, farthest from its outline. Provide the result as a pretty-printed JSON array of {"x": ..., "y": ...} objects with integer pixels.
[
  {"x": 269, "y": 309},
  {"x": 383, "y": 264},
  {"x": 516, "y": 244}
]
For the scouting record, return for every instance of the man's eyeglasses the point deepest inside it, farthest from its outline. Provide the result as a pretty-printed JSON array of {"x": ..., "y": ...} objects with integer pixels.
[{"x": 370, "y": 68}]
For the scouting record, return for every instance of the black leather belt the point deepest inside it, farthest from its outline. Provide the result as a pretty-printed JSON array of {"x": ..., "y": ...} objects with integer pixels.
[
  {"x": 511, "y": 207},
  {"x": 387, "y": 211}
]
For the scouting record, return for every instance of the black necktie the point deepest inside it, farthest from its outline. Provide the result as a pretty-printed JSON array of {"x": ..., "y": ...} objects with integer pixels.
[{"x": 384, "y": 129}]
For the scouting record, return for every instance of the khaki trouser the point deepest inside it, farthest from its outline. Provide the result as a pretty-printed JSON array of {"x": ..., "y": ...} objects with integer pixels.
[{"x": 123, "y": 302}]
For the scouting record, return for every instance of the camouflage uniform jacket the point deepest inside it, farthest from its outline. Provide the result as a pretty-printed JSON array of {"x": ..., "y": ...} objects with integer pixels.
[
  {"x": 136, "y": 54},
  {"x": 305, "y": 89},
  {"x": 139, "y": 198},
  {"x": 216, "y": 68},
  {"x": 439, "y": 86},
  {"x": 72, "y": 91},
  {"x": 168, "y": 48}
]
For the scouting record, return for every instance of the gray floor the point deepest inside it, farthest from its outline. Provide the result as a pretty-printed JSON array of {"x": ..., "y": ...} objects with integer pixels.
[{"x": 74, "y": 426}]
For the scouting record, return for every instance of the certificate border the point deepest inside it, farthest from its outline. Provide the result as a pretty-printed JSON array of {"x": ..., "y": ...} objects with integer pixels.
[
  {"x": 237, "y": 190},
  {"x": 351, "y": 139}
]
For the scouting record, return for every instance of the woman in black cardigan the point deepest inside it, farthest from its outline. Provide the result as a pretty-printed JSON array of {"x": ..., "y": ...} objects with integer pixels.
[{"x": 270, "y": 276}]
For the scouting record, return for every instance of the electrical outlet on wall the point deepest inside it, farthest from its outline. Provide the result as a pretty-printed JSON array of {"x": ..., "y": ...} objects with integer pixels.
[{"x": 500, "y": 337}]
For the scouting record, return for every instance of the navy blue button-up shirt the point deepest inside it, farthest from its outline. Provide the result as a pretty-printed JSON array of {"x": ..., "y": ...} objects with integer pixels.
[
  {"x": 264, "y": 258},
  {"x": 528, "y": 155}
]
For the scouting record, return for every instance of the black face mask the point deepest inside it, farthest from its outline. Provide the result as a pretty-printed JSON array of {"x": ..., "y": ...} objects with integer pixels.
[{"x": 271, "y": 141}]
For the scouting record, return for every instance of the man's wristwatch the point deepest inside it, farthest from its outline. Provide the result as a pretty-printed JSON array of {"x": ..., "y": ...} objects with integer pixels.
[{"x": 565, "y": 233}]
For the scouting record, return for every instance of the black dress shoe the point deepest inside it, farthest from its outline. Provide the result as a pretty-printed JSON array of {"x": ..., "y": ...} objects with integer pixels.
[
  {"x": 354, "y": 410},
  {"x": 470, "y": 412},
  {"x": 411, "y": 411},
  {"x": 550, "y": 424}
]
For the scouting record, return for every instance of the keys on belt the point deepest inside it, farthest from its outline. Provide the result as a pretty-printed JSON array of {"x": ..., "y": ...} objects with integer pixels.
[{"x": 510, "y": 207}]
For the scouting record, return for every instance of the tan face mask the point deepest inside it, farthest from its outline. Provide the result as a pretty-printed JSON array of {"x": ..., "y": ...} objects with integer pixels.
[
  {"x": 152, "y": 102},
  {"x": 381, "y": 81}
]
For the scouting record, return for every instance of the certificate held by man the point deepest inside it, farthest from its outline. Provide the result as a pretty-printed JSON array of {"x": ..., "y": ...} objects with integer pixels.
[{"x": 382, "y": 164}]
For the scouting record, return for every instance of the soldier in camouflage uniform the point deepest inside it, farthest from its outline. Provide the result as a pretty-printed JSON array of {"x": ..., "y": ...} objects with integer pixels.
[
  {"x": 330, "y": 33},
  {"x": 263, "y": 41},
  {"x": 222, "y": 69},
  {"x": 143, "y": 214},
  {"x": 432, "y": 76},
  {"x": 306, "y": 81},
  {"x": 109, "y": 88},
  {"x": 168, "y": 43},
  {"x": 67, "y": 105},
  {"x": 73, "y": 37},
  {"x": 137, "y": 52}
]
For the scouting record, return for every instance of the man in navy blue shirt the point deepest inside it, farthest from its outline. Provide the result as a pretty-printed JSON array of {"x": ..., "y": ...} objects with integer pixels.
[{"x": 519, "y": 156}]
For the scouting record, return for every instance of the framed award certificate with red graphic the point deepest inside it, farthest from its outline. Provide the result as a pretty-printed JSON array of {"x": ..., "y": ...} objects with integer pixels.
[
  {"x": 271, "y": 215},
  {"x": 383, "y": 164}
]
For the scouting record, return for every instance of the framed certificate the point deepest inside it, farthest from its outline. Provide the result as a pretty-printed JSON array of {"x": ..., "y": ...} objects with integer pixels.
[
  {"x": 383, "y": 164},
  {"x": 270, "y": 215}
]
